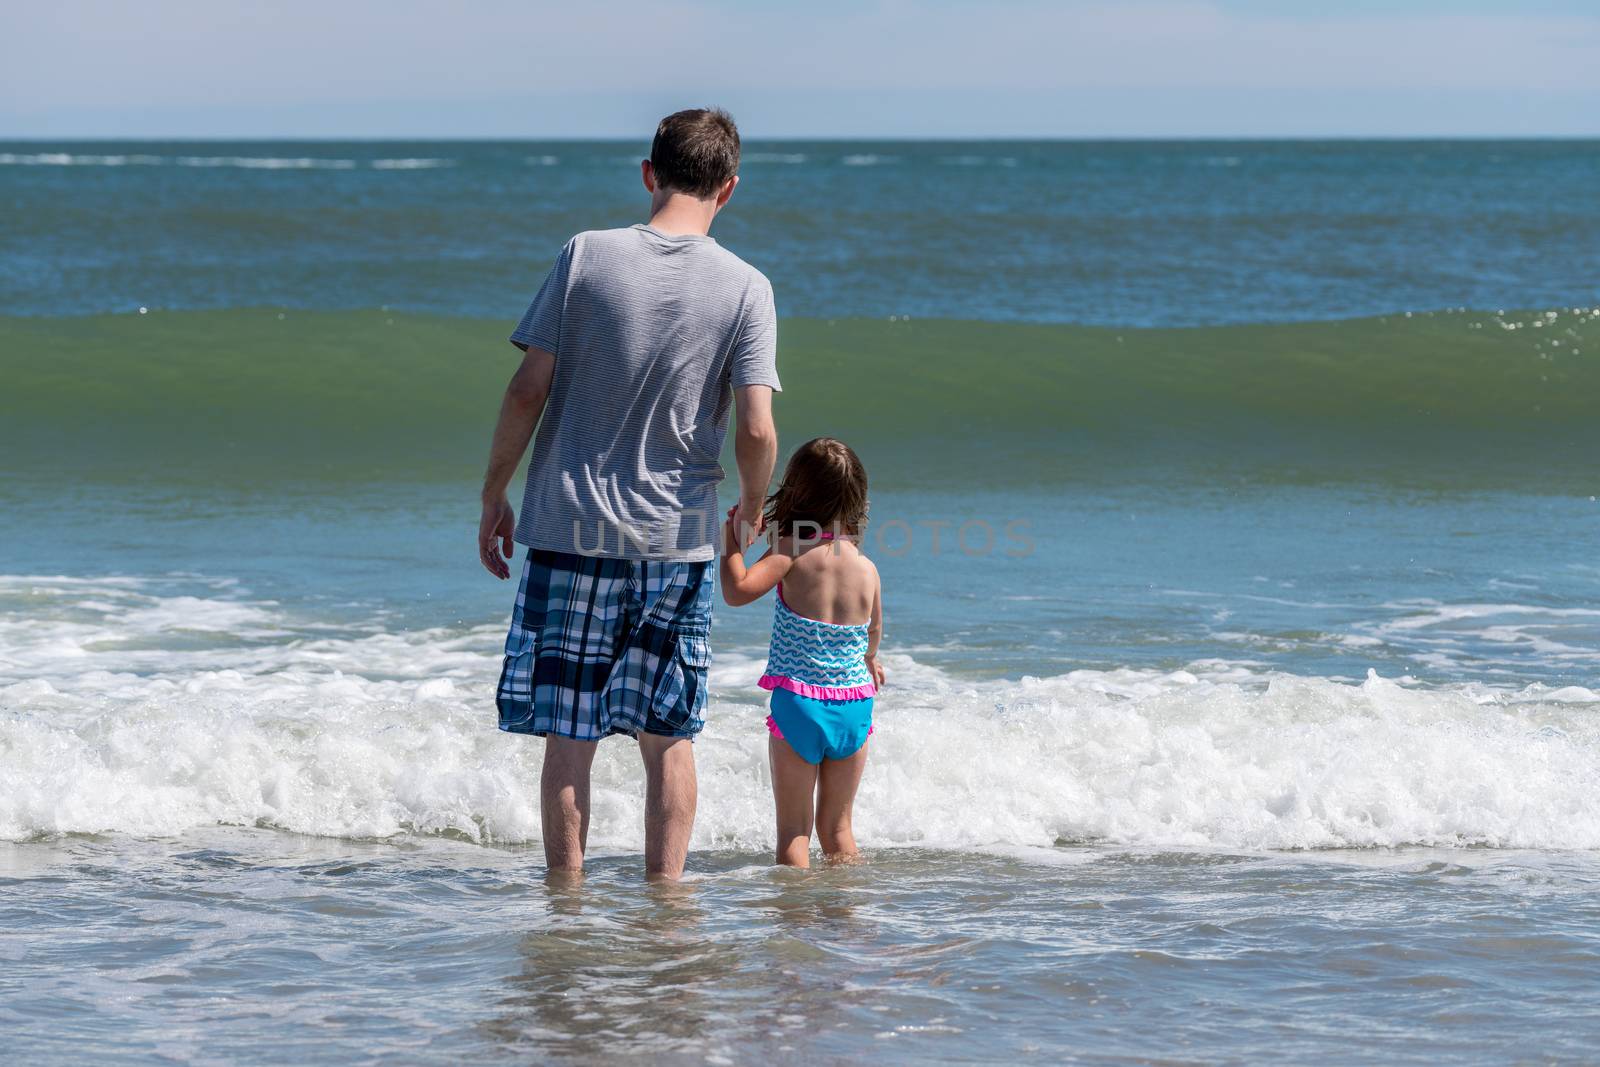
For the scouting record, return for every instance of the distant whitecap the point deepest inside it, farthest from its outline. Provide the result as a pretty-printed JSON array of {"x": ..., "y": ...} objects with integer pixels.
[
  {"x": 67, "y": 159},
  {"x": 267, "y": 162},
  {"x": 411, "y": 164},
  {"x": 979, "y": 161}
]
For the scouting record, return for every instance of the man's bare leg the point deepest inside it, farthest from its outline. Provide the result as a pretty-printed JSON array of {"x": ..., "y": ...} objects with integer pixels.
[
  {"x": 670, "y": 793},
  {"x": 564, "y": 802}
]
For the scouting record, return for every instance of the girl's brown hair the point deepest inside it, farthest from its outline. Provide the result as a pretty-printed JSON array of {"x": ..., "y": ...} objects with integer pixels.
[{"x": 824, "y": 487}]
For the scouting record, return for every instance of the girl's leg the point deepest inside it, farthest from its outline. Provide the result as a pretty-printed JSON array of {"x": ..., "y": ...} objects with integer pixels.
[
  {"x": 836, "y": 795},
  {"x": 793, "y": 783}
]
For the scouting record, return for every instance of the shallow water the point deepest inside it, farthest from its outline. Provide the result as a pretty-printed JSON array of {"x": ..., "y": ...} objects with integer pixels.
[
  {"x": 255, "y": 947},
  {"x": 1203, "y": 778}
]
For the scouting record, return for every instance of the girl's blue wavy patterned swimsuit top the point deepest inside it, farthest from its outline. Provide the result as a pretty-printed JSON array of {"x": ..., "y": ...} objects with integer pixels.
[{"x": 821, "y": 689}]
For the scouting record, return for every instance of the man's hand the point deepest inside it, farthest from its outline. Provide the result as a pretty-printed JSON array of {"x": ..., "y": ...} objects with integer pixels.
[
  {"x": 748, "y": 520},
  {"x": 520, "y": 411},
  {"x": 497, "y": 524},
  {"x": 876, "y": 668}
]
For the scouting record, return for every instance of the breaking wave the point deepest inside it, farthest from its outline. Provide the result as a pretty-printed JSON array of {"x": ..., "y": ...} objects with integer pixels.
[{"x": 149, "y": 707}]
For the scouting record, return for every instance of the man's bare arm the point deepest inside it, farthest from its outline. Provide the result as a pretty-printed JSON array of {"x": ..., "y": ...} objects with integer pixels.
[
  {"x": 755, "y": 446},
  {"x": 520, "y": 409}
]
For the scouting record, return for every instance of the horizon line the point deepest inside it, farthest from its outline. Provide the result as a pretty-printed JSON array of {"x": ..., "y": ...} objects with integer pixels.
[{"x": 798, "y": 138}]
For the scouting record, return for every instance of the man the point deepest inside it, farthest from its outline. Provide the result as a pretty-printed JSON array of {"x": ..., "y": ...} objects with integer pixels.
[{"x": 634, "y": 350}]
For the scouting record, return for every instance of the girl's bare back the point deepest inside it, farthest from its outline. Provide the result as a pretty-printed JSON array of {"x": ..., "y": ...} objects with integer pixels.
[{"x": 830, "y": 580}]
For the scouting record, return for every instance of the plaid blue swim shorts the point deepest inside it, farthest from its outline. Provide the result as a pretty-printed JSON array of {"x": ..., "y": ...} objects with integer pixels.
[{"x": 602, "y": 646}]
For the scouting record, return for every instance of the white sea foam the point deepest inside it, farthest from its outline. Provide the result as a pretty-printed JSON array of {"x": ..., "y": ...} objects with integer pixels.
[
  {"x": 979, "y": 161},
  {"x": 70, "y": 159},
  {"x": 775, "y": 157},
  {"x": 1499, "y": 635},
  {"x": 411, "y": 164},
  {"x": 78, "y": 159},
  {"x": 152, "y": 707},
  {"x": 866, "y": 159},
  {"x": 268, "y": 162}
]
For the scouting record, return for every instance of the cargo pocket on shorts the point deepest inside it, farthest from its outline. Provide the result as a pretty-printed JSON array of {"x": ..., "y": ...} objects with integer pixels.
[
  {"x": 514, "y": 694},
  {"x": 679, "y": 697}
]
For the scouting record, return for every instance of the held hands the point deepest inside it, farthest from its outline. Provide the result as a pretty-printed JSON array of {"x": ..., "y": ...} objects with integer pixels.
[
  {"x": 745, "y": 523},
  {"x": 875, "y": 667},
  {"x": 497, "y": 523}
]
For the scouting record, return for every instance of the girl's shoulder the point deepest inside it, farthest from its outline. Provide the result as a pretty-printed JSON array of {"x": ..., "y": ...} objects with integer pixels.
[
  {"x": 869, "y": 572},
  {"x": 842, "y": 559},
  {"x": 796, "y": 548},
  {"x": 862, "y": 561}
]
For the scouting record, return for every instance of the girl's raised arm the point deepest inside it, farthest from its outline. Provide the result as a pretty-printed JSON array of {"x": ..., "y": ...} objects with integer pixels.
[{"x": 742, "y": 585}]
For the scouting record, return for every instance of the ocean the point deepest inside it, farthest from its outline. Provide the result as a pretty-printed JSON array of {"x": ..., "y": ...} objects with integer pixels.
[{"x": 1236, "y": 507}]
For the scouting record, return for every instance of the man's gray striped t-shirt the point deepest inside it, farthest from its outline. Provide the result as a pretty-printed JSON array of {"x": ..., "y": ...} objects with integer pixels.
[{"x": 652, "y": 333}]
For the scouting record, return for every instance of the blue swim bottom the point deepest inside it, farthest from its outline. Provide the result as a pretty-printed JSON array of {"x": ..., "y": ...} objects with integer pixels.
[{"x": 820, "y": 729}]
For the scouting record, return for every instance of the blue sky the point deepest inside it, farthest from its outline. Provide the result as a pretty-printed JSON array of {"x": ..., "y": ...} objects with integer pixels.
[{"x": 1031, "y": 68}]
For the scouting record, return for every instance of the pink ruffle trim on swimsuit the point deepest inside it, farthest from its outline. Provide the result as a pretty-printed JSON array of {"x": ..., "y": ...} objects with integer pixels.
[
  {"x": 772, "y": 728},
  {"x": 818, "y": 692}
]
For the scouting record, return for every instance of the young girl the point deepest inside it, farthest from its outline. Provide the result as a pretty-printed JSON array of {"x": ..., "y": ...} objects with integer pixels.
[{"x": 823, "y": 665}]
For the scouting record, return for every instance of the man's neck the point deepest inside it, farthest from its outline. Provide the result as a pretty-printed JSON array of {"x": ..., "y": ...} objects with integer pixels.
[{"x": 678, "y": 215}]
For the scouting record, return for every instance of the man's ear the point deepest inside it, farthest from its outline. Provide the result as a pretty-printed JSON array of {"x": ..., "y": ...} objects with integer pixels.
[
  {"x": 727, "y": 191},
  {"x": 648, "y": 174}
]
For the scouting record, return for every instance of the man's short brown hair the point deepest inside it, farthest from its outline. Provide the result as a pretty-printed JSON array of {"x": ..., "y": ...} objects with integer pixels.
[{"x": 695, "y": 151}]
